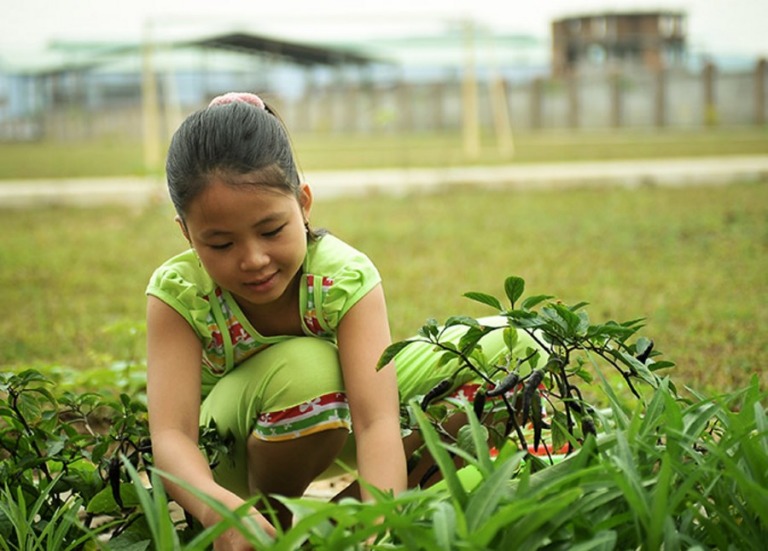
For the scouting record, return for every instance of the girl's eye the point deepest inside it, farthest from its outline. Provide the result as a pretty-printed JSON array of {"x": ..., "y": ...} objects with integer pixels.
[
  {"x": 221, "y": 247},
  {"x": 275, "y": 232}
]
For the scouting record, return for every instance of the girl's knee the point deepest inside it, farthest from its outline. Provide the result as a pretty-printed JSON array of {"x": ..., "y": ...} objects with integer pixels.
[{"x": 288, "y": 467}]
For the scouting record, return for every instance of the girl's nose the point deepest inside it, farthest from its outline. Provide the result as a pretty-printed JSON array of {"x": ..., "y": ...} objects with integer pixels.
[{"x": 254, "y": 258}]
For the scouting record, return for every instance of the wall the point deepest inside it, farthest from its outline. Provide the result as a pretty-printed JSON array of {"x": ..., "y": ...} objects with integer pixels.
[{"x": 673, "y": 98}]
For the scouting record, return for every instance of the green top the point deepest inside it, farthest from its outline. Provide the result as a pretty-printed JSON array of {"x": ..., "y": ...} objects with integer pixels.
[{"x": 334, "y": 277}]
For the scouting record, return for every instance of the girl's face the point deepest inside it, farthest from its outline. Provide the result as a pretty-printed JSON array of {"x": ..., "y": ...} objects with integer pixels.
[{"x": 250, "y": 239}]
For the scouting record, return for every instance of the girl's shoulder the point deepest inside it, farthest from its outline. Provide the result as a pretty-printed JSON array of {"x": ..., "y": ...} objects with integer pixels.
[
  {"x": 336, "y": 277},
  {"x": 331, "y": 256},
  {"x": 181, "y": 275}
]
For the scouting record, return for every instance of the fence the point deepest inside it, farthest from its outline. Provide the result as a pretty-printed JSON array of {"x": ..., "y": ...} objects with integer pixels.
[
  {"x": 674, "y": 99},
  {"x": 634, "y": 100}
]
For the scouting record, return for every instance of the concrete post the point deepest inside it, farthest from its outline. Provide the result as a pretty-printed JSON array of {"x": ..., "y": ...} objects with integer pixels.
[
  {"x": 404, "y": 113},
  {"x": 438, "y": 109},
  {"x": 761, "y": 70},
  {"x": 710, "y": 101},
  {"x": 501, "y": 122},
  {"x": 150, "y": 104},
  {"x": 616, "y": 103},
  {"x": 574, "y": 106},
  {"x": 660, "y": 98},
  {"x": 470, "y": 117},
  {"x": 536, "y": 102}
]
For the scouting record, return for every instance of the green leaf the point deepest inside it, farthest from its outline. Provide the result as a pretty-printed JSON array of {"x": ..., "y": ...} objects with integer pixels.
[
  {"x": 484, "y": 299},
  {"x": 104, "y": 502},
  {"x": 441, "y": 456},
  {"x": 430, "y": 329},
  {"x": 661, "y": 364},
  {"x": 524, "y": 319},
  {"x": 29, "y": 376},
  {"x": 510, "y": 337},
  {"x": 604, "y": 540},
  {"x": 136, "y": 537},
  {"x": 461, "y": 320},
  {"x": 559, "y": 430},
  {"x": 485, "y": 499},
  {"x": 642, "y": 345},
  {"x": 444, "y": 524},
  {"x": 609, "y": 330},
  {"x": 639, "y": 369},
  {"x": 570, "y": 322},
  {"x": 470, "y": 339},
  {"x": 390, "y": 352},
  {"x": 446, "y": 357},
  {"x": 514, "y": 287},
  {"x": 534, "y": 300},
  {"x": 473, "y": 440}
]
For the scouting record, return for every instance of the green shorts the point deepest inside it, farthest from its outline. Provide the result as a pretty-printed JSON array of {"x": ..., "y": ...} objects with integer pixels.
[
  {"x": 291, "y": 389},
  {"x": 295, "y": 388}
]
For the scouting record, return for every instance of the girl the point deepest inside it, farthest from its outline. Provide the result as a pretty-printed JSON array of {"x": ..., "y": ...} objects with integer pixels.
[{"x": 265, "y": 327}]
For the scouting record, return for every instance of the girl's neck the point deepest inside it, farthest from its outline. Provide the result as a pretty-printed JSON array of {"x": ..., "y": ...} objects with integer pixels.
[{"x": 280, "y": 317}]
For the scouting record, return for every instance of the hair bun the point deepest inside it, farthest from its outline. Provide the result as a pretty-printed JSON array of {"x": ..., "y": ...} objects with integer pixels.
[{"x": 233, "y": 97}]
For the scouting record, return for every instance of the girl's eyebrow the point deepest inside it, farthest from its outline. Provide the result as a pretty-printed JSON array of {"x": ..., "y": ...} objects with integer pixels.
[{"x": 269, "y": 219}]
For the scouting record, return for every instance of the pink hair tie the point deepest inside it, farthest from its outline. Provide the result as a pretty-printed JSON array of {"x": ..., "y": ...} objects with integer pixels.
[{"x": 233, "y": 97}]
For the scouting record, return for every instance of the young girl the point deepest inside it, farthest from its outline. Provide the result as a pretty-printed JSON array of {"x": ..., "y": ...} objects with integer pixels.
[{"x": 266, "y": 327}]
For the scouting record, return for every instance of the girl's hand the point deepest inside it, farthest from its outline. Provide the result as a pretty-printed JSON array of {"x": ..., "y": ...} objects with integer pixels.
[{"x": 233, "y": 540}]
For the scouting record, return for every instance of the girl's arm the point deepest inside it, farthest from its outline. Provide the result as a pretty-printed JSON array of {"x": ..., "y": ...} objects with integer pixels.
[
  {"x": 363, "y": 335},
  {"x": 173, "y": 391}
]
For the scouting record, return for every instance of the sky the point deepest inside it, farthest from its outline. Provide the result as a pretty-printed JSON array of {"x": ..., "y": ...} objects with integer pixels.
[{"x": 722, "y": 27}]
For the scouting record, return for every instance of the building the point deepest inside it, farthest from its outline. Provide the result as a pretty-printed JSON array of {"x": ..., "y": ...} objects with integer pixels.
[
  {"x": 96, "y": 90},
  {"x": 87, "y": 90},
  {"x": 618, "y": 40}
]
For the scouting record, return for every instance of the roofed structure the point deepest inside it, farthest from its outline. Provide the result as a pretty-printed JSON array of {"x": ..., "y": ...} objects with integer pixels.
[
  {"x": 295, "y": 52},
  {"x": 648, "y": 39}
]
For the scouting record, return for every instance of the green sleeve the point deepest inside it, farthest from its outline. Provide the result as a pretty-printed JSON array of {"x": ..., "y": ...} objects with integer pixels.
[
  {"x": 353, "y": 275},
  {"x": 183, "y": 285}
]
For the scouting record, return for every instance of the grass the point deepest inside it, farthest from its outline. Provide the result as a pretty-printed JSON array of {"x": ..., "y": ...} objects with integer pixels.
[
  {"x": 322, "y": 151},
  {"x": 70, "y": 159},
  {"x": 693, "y": 261}
]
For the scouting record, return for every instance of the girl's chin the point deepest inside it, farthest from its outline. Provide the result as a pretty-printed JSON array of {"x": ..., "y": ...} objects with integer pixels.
[{"x": 265, "y": 292}]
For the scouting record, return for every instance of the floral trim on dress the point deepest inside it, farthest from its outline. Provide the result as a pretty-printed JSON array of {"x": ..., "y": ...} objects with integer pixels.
[
  {"x": 330, "y": 411},
  {"x": 243, "y": 344},
  {"x": 310, "y": 315}
]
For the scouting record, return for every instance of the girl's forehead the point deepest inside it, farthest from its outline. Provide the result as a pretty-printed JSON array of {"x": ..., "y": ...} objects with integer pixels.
[
  {"x": 270, "y": 176},
  {"x": 222, "y": 199}
]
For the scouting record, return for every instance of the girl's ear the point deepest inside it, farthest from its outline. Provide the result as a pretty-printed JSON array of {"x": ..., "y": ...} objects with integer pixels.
[
  {"x": 183, "y": 228},
  {"x": 305, "y": 200}
]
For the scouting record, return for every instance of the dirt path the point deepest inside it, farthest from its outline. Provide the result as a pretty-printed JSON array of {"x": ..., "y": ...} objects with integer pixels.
[{"x": 326, "y": 184}]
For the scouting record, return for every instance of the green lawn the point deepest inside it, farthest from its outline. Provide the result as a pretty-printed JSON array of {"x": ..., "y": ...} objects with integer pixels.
[
  {"x": 693, "y": 261},
  {"x": 316, "y": 152}
]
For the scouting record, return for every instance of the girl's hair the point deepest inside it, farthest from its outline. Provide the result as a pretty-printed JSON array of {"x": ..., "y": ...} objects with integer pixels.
[{"x": 236, "y": 134}]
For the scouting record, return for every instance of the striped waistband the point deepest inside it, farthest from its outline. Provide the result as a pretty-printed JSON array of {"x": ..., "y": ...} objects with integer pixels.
[{"x": 329, "y": 411}]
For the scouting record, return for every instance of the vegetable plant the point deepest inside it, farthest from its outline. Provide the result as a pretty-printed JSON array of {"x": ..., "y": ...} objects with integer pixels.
[
  {"x": 576, "y": 441},
  {"x": 540, "y": 386}
]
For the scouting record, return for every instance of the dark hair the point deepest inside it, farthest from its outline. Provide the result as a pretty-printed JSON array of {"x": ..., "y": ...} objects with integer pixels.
[{"x": 232, "y": 138}]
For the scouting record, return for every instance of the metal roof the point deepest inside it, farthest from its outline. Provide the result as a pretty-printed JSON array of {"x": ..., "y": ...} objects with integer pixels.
[
  {"x": 62, "y": 57},
  {"x": 296, "y": 52}
]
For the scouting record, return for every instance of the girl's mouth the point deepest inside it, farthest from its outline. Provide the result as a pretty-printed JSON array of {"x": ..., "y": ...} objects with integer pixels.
[{"x": 261, "y": 284}]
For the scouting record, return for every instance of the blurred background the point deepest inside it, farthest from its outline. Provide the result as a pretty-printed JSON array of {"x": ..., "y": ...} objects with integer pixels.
[
  {"x": 625, "y": 112},
  {"x": 484, "y": 71}
]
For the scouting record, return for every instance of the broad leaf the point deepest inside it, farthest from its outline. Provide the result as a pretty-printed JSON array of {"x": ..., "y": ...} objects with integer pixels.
[
  {"x": 391, "y": 351},
  {"x": 534, "y": 300},
  {"x": 514, "y": 287},
  {"x": 484, "y": 299}
]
